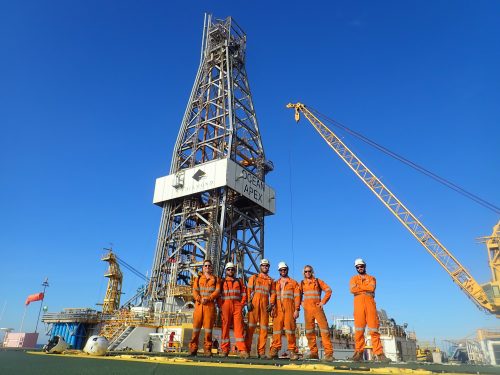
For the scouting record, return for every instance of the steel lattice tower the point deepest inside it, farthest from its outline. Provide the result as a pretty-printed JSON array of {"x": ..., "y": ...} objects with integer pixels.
[{"x": 215, "y": 199}]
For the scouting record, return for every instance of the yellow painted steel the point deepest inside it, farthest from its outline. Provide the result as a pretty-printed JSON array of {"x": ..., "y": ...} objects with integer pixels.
[
  {"x": 487, "y": 298},
  {"x": 492, "y": 242},
  {"x": 249, "y": 364},
  {"x": 114, "y": 289}
]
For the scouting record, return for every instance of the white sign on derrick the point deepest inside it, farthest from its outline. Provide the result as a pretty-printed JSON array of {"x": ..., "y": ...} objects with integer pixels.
[{"x": 212, "y": 175}]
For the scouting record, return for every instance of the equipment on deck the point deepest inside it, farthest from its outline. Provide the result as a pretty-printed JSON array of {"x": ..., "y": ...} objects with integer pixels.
[
  {"x": 96, "y": 345},
  {"x": 486, "y": 296},
  {"x": 56, "y": 345}
]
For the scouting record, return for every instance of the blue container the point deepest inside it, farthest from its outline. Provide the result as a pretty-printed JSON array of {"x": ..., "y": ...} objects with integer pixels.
[{"x": 74, "y": 333}]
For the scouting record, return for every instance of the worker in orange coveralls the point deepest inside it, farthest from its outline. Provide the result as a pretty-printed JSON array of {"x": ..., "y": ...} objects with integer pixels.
[
  {"x": 231, "y": 302},
  {"x": 206, "y": 289},
  {"x": 365, "y": 312},
  {"x": 261, "y": 298},
  {"x": 310, "y": 289},
  {"x": 287, "y": 311}
]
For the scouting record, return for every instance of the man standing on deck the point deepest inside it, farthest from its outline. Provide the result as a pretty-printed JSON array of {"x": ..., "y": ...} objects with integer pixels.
[
  {"x": 312, "y": 302},
  {"x": 261, "y": 297},
  {"x": 287, "y": 311},
  {"x": 231, "y": 302},
  {"x": 206, "y": 289},
  {"x": 365, "y": 312}
]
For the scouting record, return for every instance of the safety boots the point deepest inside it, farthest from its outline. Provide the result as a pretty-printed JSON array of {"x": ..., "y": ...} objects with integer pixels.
[
  {"x": 293, "y": 356},
  {"x": 328, "y": 358},
  {"x": 381, "y": 358},
  {"x": 357, "y": 357},
  {"x": 224, "y": 354},
  {"x": 273, "y": 353},
  {"x": 313, "y": 356},
  {"x": 244, "y": 355}
]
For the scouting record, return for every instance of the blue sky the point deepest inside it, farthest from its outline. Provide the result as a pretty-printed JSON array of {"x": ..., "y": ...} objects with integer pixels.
[{"x": 92, "y": 95}]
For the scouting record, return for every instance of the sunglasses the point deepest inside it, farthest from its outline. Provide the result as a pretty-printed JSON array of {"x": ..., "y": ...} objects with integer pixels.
[
  {"x": 207, "y": 265},
  {"x": 307, "y": 271},
  {"x": 360, "y": 266},
  {"x": 265, "y": 265},
  {"x": 230, "y": 269}
]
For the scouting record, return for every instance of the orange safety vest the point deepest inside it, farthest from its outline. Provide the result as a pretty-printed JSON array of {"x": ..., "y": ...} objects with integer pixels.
[
  {"x": 289, "y": 294},
  {"x": 208, "y": 287},
  {"x": 262, "y": 285},
  {"x": 311, "y": 291},
  {"x": 232, "y": 290},
  {"x": 363, "y": 285}
]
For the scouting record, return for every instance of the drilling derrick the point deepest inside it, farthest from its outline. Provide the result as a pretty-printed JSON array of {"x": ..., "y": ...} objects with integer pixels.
[
  {"x": 114, "y": 289},
  {"x": 215, "y": 198}
]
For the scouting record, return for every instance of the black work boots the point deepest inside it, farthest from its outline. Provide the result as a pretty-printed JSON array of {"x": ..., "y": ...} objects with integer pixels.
[
  {"x": 357, "y": 357},
  {"x": 381, "y": 358}
]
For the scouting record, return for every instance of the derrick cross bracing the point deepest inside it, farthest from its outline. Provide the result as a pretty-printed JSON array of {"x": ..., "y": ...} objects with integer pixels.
[{"x": 215, "y": 198}]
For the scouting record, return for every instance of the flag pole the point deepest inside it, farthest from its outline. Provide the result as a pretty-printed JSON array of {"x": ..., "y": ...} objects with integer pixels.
[
  {"x": 45, "y": 284},
  {"x": 24, "y": 315},
  {"x": 3, "y": 310}
]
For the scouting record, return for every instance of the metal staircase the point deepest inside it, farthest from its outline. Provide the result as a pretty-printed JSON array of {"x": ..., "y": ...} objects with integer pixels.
[{"x": 120, "y": 336}]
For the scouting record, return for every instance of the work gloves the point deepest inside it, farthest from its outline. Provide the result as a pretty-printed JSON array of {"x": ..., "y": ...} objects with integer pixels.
[{"x": 270, "y": 308}]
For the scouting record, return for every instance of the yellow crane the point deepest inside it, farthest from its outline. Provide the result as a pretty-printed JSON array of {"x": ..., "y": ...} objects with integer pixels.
[
  {"x": 486, "y": 296},
  {"x": 114, "y": 289}
]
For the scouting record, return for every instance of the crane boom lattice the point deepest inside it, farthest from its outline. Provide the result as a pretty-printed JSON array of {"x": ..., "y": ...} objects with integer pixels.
[{"x": 444, "y": 257}]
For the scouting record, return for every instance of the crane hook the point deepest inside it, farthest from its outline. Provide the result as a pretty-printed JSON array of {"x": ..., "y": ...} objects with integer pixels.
[{"x": 297, "y": 111}]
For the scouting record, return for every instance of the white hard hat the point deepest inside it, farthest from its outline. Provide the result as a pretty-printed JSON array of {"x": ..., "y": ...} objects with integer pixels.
[
  {"x": 229, "y": 265},
  {"x": 264, "y": 261},
  {"x": 282, "y": 265},
  {"x": 359, "y": 261}
]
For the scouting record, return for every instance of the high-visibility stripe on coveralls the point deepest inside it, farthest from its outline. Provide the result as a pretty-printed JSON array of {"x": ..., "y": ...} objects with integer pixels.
[
  {"x": 204, "y": 315},
  {"x": 261, "y": 292},
  {"x": 365, "y": 312},
  {"x": 287, "y": 302},
  {"x": 311, "y": 295},
  {"x": 231, "y": 302}
]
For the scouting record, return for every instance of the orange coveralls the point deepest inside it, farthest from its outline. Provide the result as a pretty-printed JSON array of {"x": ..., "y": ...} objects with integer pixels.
[
  {"x": 365, "y": 312},
  {"x": 288, "y": 301},
  {"x": 231, "y": 302},
  {"x": 204, "y": 315},
  {"x": 311, "y": 295},
  {"x": 261, "y": 292}
]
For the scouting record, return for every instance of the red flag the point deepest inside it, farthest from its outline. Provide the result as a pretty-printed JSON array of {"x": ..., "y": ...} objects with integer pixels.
[{"x": 33, "y": 298}]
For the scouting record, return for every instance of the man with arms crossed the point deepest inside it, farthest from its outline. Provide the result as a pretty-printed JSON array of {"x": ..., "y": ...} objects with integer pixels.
[{"x": 365, "y": 313}]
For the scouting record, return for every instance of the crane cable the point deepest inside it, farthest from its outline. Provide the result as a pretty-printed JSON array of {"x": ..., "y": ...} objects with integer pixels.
[
  {"x": 411, "y": 164},
  {"x": 291, "y": 196},
  {"x": 131, "y": 268}
]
